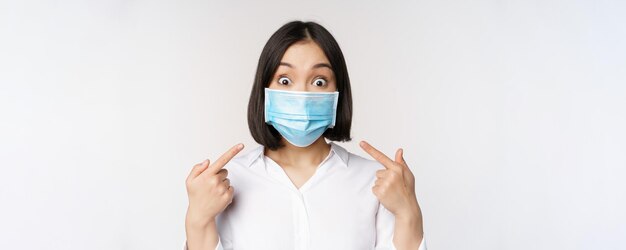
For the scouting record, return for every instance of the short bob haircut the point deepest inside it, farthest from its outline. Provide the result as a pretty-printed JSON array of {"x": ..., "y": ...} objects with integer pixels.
[{"x": 285, "y": 36}]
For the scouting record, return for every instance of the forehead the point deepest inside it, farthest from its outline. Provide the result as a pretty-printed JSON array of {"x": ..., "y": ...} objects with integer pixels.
[{"x": 304, "y": 53}]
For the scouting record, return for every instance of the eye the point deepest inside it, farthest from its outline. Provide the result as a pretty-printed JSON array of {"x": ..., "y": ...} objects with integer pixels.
[
  {"x": 320, "y": 82},
  {"x": 284, "y": 81}
]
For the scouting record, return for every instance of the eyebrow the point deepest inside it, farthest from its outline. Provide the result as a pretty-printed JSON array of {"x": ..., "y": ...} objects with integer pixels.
[{"x": 316, "y": 66}]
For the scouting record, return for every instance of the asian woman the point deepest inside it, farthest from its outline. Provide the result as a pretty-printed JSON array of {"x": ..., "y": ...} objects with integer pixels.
[{"x": 296, "y": 190}]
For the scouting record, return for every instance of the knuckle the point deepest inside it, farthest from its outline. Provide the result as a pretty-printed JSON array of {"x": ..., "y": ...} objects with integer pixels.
[
  {"x": 222, "y": 176},
  {"x": 376, "y": 191},
  {"x": 219, "y": 162},
  {"x": 382, "y": 173}
]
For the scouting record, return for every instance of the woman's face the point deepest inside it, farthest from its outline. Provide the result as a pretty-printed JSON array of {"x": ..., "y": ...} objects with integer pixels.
[{"x": 304, "y": 67}]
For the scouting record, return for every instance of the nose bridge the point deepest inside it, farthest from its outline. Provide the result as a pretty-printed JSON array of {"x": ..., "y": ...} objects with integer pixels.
[
  {"x": 300, "y": 85},
  {"x": 300, "y": 82}
]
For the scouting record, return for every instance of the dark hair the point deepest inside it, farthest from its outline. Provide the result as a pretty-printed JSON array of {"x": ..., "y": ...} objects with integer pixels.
[{"x": 269, "y": 60}]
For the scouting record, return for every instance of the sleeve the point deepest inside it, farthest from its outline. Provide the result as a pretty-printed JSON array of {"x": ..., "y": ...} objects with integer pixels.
[
  {"x": 385, "y": 224},
  {"x": 218, "y": 247}
]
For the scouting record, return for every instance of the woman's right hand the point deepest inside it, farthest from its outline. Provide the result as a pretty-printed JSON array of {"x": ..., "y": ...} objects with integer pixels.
[{"x": 209, "y": 189}]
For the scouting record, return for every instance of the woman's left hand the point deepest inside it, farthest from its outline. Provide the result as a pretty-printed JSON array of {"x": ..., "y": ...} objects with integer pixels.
[{"x": 395, "y": 185}]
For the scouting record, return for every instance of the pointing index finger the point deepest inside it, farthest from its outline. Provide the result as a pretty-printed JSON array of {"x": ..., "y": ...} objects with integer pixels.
[
  {"x": 377, "y": 155},
  {"x": 225, "y": 158}
]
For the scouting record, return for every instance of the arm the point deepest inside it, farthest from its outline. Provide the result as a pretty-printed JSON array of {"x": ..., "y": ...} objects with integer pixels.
[
  {"x": 209, "y": 194},
  {"x": 395, "y": 189},
  {"x": 391, "y": 233},
  {"x": 218, "y": 247},
  {"x": 408, "y": 232},
  {"x": 202, "y": 236}
]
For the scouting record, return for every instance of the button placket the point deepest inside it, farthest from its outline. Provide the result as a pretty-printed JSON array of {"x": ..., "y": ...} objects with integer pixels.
[
  {"x": 296, "y": 222},
  {"x": 299, "y": 210},
  {"x": 301, "y": 221}
]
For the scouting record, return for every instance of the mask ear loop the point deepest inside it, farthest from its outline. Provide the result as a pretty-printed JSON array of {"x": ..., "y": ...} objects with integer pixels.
[
  {"x": 335, "y": 108},
  {"x": 266, "y": 105},
  {"x": 335, "y": 102}
]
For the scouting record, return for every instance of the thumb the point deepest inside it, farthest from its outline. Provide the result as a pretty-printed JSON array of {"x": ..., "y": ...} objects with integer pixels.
[
  {"x": 399, "y": 158},
  {"x": 198, "y": 169}
]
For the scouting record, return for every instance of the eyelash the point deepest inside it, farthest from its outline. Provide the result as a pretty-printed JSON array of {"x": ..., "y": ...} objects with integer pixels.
[{"x": 316, "y": 78}]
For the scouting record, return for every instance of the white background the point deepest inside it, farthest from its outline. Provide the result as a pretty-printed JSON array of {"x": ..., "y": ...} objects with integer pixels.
[{"x": 512, "y": 114}]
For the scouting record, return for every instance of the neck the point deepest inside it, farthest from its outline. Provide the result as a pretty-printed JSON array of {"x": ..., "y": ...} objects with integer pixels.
[{"x": 294, "y": 156}]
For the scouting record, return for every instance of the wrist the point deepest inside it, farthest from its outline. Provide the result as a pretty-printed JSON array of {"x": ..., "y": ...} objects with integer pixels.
[
  {"x": 408, "y": 230},
  {"x": 201, "y": 233},
  {"x": 410, "y": 213},
  {"x": 195, "y": 221},
  {"x": 409, "y": 217}
]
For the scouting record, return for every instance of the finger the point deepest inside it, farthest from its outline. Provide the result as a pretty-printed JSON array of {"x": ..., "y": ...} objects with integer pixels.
[
  {"x": 380, "y": 173},
  {"x": 222, "y": 173},
  {"x": 377, "y": 155},
  {"x": 223, "y": 186},
  {"x": 198, "y": 169},
  {"x": 375, "y": 190},
  {"x": 400, "y": 158},
  {"x": 225, "y": 158},
  {"x": 399, "y": 155},
  {"x": 230, "y": 192},
  {"x": 379, "y": 182}
]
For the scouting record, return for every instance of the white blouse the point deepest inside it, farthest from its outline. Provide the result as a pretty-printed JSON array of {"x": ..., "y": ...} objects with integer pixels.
[{"x": 334, "y": 209}]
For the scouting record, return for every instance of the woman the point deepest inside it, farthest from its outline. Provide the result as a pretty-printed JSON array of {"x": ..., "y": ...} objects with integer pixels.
[{"x": 296, "y": 191}]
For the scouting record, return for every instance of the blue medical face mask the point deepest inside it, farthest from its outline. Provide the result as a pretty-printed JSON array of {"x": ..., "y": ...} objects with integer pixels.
[{"x": 300, "y": 117}]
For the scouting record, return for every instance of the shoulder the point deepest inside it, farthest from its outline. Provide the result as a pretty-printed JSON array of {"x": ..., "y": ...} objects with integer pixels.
[
  {"x": 356, "y": 162},
  {"x": 361, "y": 162}
]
